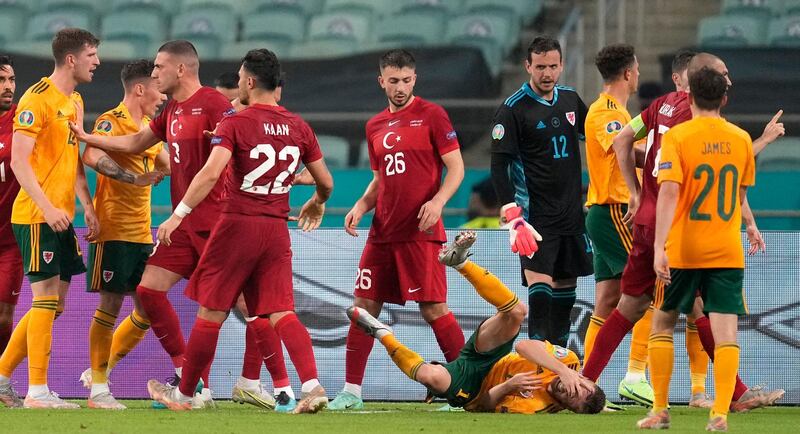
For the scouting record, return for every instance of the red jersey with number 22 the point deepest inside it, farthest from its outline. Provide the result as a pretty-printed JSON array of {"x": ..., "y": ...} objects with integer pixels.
[
  {"x": 9, "y": 187},
  {"x": 267, "y": 143},
  {"x": 662, "y": 114},
  {"x": 180, "y": 125},
  {"x": 406, "y": 148}
]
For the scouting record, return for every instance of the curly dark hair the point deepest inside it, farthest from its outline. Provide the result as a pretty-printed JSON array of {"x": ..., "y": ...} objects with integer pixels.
[
  {"x": 613, "y": 60},
  {"x": 708, "y": 86},
  {"x": 543, "y": 44},
  {"x": 265, "y": 66}
]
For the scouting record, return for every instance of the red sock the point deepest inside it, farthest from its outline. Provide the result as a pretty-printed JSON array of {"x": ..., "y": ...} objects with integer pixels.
[
  {"x": 359, "y": 346},
  {"x": 298, "y": 344},
  {"x": 5, "y": 335},
  {"x": 608, "y": 339},
  {"x": 164, "y": 322},
  {"x": 199, "y": 353},
  {"x": 251, "y": 366},
  {"x": 267, "y": 346},
  {"x": 449, "y": 335},
  {"x": 707, "y": 339},
  {"x": 206, "y": 371}
]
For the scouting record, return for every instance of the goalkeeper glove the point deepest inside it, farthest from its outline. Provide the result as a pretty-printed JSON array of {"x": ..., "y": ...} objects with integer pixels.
[{"x": 522, "y": 236}]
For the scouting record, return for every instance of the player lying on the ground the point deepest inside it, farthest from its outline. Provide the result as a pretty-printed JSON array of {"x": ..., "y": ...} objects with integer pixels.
[{"x": 487, "y": 376}]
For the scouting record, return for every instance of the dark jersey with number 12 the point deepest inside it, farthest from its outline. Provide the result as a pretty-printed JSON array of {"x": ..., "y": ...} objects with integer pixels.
[{"x": 543, "y": 139}]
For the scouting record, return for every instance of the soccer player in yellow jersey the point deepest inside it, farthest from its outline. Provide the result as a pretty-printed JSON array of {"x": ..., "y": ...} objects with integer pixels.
[
  {"x": 46, "y": 163},
  {"x": 607, "y": 200},
  {"x": 706, "y": 166},
  {"x": 118, "y": 255}
]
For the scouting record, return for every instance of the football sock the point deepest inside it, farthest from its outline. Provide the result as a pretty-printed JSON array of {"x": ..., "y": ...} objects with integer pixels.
[
  {"x": 17, "y": 348},
  {"x": 359, "y": 346},
  {"x": 251, "y": 363},
  {"x": 5, "y": 335},
  {"x": 204, "y": 374},
  {"x": 561, "y": 315},
  {"x": 98, "y": 388},
  {"x": 637, "y": 359},
  {"x": 726, "y": 365},
  {"x": 405, "y": 359},
  {"x": 164, "y": 321},
  {"x": 248, "y": 384},
  {"x": 353, "y": 389},
  {"x": 297, "y": 341},
  {"x": 662, "y": 353},
  {"x": 199, "y": 353},
  {"x": 101, "y": 333},
  {"x": 267, "y": 343},
  {"x": 38, "y": 390},
  {"x": 309, "y": 385},
  {"x": 449, "y": 335},
  {"x": 489, "y": 287},
  {"x": 539, "y": 297},
  {"x": 40, "y": 337},
  {"x": 595, "y": 322},
  {"x": 608, "y": 339},
  {"x": 128, "y": 334},
  {"x": 698, "y": 359},
  {"x": 707, "y": 338}
]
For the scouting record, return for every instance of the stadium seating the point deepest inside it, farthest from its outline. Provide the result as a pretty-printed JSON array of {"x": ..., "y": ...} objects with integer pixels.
[
  {"x": 226, "y": 7},
  {"x": 791, "y": 7},
  {"x": 763, "y": 9},
  {"x": 336, "y": 150},
  {"x": 491, "y": 34},
  {"x": 236, "y": 50},
  {"x": 323, "y": 48},
  {"x": 120, "y": 50},
  {"x": 10, "y": 29},
  {"x": 339, "y": 26},
  {"x": 18, "y": 10},
  {"x": 731, "y": 31},
  {"x": 32, "y": 48},
  {"x": 162, "y": 7},
  {"x": 785, "y": 32},
  {"x": 287, "y": 26},
  {"x": 42, "y": 27},
  {"x": 89, "y": 7},
  {"x": 440, "y": 8},
  {"x": 367, "y": 8},
  {"x": 409, "y": 29},
  {"x": 140, "y": 28},
  {"x": 307, "y": 7},
  {"x": 208, "y": 29},
  {"x": 781, "y": 156}
]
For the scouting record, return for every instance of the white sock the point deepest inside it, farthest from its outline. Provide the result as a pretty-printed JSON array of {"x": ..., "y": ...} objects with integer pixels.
[
  {"x": 634, "y": 377},
  {"x": 246, "y": 383},
  {"x": 98, "y": 388},
  {"x": 287, "y": 389},
  {"x": 181, "y": 396},
  {"x": 309, "y": 385},
  {"x": 38, "y": 390},
  {"x": 206, "y": 391},
  {"x": 460, "y": 266},
  {"x": 179, "y": 371},
  {"x": 4, "y": 380},
  {"x": 381, "y": 333},
  {"x": 354, "y": 389}
]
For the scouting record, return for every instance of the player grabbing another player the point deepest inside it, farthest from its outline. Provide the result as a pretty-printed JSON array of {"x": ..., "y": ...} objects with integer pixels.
[
  {"x": 536, "y": 170},
  {"x": 46, "y": 163},
  {"x": 487, "y": 376},
  {"x": 264, "y": 144},
  {"x": 118, "y": 256},
  {"x": 607, "y": 200},
  {"x": 10, "y": 259},
  {"x": 409, "y": 144},
  {"x": 706, "y": 166}
]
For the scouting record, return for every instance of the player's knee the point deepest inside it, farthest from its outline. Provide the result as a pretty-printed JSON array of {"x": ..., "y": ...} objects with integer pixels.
[
  {"x": 433, "y": 311},
  {"x": 633, "y": 308},
  {"x": 519, "y": 312},
  {"x": 111, "y": 302},
  {"x": 217, "y": 316}
]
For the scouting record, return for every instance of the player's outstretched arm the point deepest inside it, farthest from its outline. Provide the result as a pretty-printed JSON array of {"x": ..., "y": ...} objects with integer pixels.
[
  {"x": 524, "y": 383},
  {"x": 201, "y": 185},
  {"x": 431, "y": 211},
  {"x": 131, "y": 143},
  {"x": 57, "y": 219},
  {"x": 624, "y": 150},
  {"x": 98, "y": 160},
  {"x": 363, "y": 205},
  {"x": 665, "y": 213},
  {"x": 536, "y": 352},
  {"x": 772, "y": 131},
  {"x": 312, "y": 211},
  {"x": 85, "y": 198}
]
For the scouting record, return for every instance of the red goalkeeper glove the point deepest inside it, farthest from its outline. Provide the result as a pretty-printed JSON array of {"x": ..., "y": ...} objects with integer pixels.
[{"x": 522, "y": 236}]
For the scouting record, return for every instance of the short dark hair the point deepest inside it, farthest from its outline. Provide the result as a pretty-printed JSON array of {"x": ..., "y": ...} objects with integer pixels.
[
  {"x": 398, "y": 58},
  {"x": 136, "y": 71},
  {"x": 543, "y": 44},
  {"x": 5, "y": 62},
  {"x": 265, "y": 66},
  {"x": 227, "y": 80},
  {"x": 681, "y": 60},
  {"x": 179, "y": 47},
  {"x": 613, "y": 60},
  {"x": 707, "y": 87},
  {"x": 594, "y": 403},
  {"x": 71, "y": 41}
]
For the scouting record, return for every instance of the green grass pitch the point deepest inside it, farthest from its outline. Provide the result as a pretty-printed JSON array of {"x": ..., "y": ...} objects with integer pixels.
[{"x": 378, "y": 418}]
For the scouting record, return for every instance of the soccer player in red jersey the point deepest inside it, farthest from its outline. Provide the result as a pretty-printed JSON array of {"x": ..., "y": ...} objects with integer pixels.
[
  {"x": 262, "y": 147},
  {"x": 10, "y": 258},
  {"x": 638, "y": 285},
  {"x": 409, "y": 143}
]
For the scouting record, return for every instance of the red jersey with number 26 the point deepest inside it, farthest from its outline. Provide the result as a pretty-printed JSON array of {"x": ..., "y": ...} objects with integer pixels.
[
  {"x": 267, "y": 143},
  {"x": 662, "y": 114},
  {"x": 9, "y": 187},
  {"x": 406, "y": 148},
  {"x": 180, "y": 125}
]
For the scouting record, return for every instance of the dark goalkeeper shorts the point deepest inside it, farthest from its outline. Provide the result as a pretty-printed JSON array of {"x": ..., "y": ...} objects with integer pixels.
[{"x": 560, "y": 257}]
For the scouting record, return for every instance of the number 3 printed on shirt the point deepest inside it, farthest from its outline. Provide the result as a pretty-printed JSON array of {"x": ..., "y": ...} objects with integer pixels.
[
  {"x": 177, "y": 155},
  {"x": 277, "y": 186}
]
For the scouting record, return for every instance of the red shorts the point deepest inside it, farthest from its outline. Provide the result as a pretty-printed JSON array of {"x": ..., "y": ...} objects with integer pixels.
[
  {"x": 182, "y": 255},
  {"x": 11, "y": 272},
  {"x": 245, "y": 255},
  {"x": 638, "y": 277},
  {"x": 399, "y": 272}
]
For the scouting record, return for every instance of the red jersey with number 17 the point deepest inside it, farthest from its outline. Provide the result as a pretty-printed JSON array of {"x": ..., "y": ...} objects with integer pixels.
[
  {"x": 662, "y": 114},
  {"x": 9, "y": 187},
  {"x": 180, "y": 125},
  {"x": 267, "y": 143},
  {"x": 406, "y": 148}
]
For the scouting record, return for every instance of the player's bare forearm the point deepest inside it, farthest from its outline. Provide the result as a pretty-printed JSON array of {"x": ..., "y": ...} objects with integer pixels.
[
  {"x": 665, "y": 211},
  {"x": 322, "y": 179},
  {"x": 747, "y": 213},
  {"x": 98, "y": 160},
  {"x": 452, "y": 180},
  {"x": 487, "y": 402},
  {"x": 534, "y": 351},
  {"x": 82, "y": 189},
  {"x": 370, "y": 197},
  {"x": 162, "y": 162},
  {"x": 623, "y": 148},
  {"x": 639, "y": 154},
  {"x": 20, "y": 164}
]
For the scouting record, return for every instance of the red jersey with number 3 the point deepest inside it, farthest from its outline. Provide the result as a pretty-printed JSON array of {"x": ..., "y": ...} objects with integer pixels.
[
  {"x": 662, "y": 114},
  {"x": 406, "y": 148},
  {"x": 180, "y": 125},
  {"x": 267, "y": 144},
  {"x": 9, "y": 187}
]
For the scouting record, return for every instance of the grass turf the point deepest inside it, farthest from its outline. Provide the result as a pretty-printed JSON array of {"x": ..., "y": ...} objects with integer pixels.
[{"x": 377, "y": 418}]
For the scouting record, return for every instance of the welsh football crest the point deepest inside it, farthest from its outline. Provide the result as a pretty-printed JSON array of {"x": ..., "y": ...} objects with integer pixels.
[
  {"x": 47, "y": 256},
  {"x": 571, "y": 118},
  {"x": 107, "y": 275}
]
